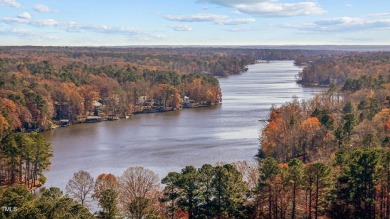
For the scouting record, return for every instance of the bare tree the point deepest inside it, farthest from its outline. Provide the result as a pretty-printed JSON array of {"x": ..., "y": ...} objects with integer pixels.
[
  {"x": 80, "y": 187},
  {"x": 137, "y": 183},
  {"x": 250, "y": 172}
]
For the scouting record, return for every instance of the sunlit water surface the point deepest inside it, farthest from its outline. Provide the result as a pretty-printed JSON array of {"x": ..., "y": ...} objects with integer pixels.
[{"x": 167, "y": 142}]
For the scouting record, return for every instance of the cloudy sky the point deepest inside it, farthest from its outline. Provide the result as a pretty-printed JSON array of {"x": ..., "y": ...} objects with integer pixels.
[{"x": 194, "y": 22}]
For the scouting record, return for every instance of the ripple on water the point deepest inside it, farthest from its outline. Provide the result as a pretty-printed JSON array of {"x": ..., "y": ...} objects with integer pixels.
[{"x": 167, "y": 142}]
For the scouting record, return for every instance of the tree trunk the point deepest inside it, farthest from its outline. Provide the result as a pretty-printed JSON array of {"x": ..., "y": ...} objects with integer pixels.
[
  {"x": 20, "y": 170},
  {"x": 13, "y": 175},
  {"x": 35, "y": 172},
  {"x": 270, "y": 203},
  {"x": 310, "y": 198},
  {"x": 317, "y": 197},
  {"x": 172, "y": 207},
  {"x": 381, "y": 204},
  {"x": 190, "y": 210},
  {"x": 28, "y": 176},
  {"x": 294, "y": 201}
]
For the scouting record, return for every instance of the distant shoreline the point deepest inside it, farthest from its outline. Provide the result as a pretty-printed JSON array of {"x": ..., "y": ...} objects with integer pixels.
[{"x": 352, "y": 48}]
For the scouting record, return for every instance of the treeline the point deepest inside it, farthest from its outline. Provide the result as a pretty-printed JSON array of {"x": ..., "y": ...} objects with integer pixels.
[
  {"x": 23, "y": 159},
  {"x": 336, "y": 144},
  {"x": 355, "y": 184},
  {"x": 214, "y": 61},
  {"x": 208, "y": 192},
  {"x": 17, "y": 202},
  {"x": 336, "y": 69},
  {"x": 35, "y": 91},
  {"x": 217, "y": 61}
]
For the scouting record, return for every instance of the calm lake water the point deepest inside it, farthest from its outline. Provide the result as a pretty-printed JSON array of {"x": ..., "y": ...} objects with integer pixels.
[{"x": 167, "y": 142}]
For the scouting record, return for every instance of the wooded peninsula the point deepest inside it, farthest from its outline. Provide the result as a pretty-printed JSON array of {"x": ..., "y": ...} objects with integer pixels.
[{"x": 327, "y": 157}]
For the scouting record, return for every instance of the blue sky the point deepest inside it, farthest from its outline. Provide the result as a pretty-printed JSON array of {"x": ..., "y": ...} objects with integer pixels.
[{"x": 194, "y": 22}]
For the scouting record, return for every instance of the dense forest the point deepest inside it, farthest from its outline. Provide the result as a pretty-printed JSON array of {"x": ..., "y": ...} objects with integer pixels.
[
  {"x": 327, "y": 157},
  {"x": 336, "y": 69},
  {"x": 39, "y": 86},
  {"x": 336, "y": 144}
]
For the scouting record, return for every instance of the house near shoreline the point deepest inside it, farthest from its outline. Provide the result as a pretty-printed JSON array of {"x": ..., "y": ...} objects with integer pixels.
[{"x": 145, "y": 101}]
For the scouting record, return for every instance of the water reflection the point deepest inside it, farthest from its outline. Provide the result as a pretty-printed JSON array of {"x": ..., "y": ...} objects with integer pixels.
[{"x": 169, "y": 141}]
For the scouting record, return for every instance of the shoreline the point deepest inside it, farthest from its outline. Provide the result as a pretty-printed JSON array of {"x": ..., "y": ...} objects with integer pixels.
[
  {"x": 184, "y": 137},
  {"x": 145, "y": 111},
  {"x": 307, "y": 84}
]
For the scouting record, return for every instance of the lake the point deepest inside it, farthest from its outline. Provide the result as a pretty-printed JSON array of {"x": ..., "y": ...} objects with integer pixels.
[{"x": 165, "y": 142}]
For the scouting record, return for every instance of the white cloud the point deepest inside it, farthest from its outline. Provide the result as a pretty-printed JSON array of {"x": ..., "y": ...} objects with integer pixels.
[
  {"x": 27, "y": 33},
  {"x": 28, "y": 21},
  {"x": 214, "y": 18},
  {"x": 242, "y": 29},
  {"x": 73, "y": 26},
  {"x": 43, "y": 8},
  {"x": 380, "y": 15},
  {"x": 239, "y": 21},
  {"x": 22, "y": 32},
  {"x": 180, "y": 27},
  {"x": 197, "y": 18},
  {"x": 78, "y": 27},
  {"x": 270, "y": 8},
  {"x": 12, "y": 3},
  {"x": 341, "y": 20},
  {"x": 344, "y": 24},
  {"x": 275, "y": 9},
  {"x": 46, "y": 22},
  {"x": 13, "y": 20},
  {"x": 25, "y": 15},
  {"x": 231, "y": 2},
  {"x": 123, "y": 31}
]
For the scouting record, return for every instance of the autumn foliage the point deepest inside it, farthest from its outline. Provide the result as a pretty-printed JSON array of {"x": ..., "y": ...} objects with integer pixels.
[
  {"x": 48, "y": 86},
  {"x": 339, "y": 142},
  {"x": 337, "y": 69},
  {"x": 310, "y": 124}
]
